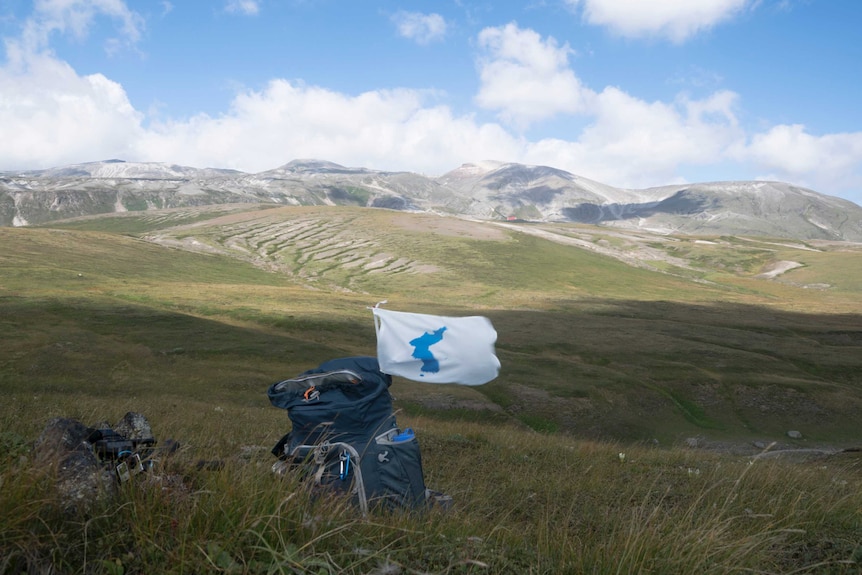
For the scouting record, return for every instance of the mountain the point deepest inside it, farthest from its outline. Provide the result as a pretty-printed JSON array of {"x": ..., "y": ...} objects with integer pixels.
[
  {"x": 757, "y": 208},
  {"x": 486, "y": 190}
]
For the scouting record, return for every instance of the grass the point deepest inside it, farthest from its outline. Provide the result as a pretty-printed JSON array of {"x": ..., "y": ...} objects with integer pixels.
[
  {"x": 697, "y": 357},
  {"x": 599, "y": 359},
  {"x": 524, "y": 503}
]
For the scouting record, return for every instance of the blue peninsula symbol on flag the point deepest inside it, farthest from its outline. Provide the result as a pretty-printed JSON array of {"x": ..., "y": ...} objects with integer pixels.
[
  {"x": 422, "y": 349},
  {"x": 436, "y": 349}
]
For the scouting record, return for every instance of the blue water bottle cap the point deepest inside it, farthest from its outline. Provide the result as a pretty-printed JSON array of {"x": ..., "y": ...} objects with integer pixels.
[{"x": 405, "y": 435}]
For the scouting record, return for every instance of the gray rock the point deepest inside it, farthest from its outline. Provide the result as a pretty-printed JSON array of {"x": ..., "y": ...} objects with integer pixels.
[
  {"x": 134, "y": 426},
  {"x": 794, "y": 435},
  {"x": 60, "y": 436},
  {"x": 81, "y": 479}
]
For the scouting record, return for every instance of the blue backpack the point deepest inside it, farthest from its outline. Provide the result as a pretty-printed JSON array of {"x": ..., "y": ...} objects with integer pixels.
[{"x": 344, "y": 435}]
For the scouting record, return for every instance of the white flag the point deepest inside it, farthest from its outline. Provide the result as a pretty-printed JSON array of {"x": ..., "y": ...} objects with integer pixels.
[{"x": 436, "y": 349}]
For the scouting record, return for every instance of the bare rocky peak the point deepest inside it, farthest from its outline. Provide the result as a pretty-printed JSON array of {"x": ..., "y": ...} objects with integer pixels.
[
  {"x": 471, "y": 170},
  {"x": 122, "y": 170},
  {"x": 310, "y": 167},
  {"x": 757, "y": 208}
]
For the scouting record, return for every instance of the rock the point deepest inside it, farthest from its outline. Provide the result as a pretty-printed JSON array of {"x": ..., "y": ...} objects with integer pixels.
[
  {"x": 134, "y": 426},
  {"x": 81, "y": 479},
  {"x": 59, "y": 437},
  {"x": 794, "y": 435}
]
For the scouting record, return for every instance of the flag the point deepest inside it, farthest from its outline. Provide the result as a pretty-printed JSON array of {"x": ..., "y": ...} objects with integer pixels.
[{"x": 436, "y": 349}]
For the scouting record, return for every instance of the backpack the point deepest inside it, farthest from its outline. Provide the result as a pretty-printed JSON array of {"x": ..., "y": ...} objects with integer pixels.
[{"x": 344, "y": 436}]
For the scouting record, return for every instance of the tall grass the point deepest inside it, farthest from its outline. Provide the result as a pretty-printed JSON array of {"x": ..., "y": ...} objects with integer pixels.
[
  {"x": 524, "y": 503},
  {"x": 613, "y": 366}
]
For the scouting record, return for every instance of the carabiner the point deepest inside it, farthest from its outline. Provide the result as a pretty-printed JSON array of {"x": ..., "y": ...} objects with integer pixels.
[{"x": 344, "y": 468}]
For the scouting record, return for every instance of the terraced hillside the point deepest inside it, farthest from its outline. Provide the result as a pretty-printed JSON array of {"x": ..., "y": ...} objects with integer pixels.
[
  {"x": 358, "y": 249},
  {"x": 374, "y": 251},
  {"x": 304, "y": 245}
]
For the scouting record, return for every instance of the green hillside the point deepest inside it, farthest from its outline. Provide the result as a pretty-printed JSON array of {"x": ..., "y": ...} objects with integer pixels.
[
  {"x": 589, "y": 344},
  {"x": 189, "y": 315}
]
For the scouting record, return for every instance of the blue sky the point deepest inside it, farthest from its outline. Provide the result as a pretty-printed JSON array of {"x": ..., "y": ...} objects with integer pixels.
[{"x": 632, "y": 93}]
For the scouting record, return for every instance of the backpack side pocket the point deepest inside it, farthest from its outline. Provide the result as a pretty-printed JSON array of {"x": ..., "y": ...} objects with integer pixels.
[{"x": 394, "y": 475}]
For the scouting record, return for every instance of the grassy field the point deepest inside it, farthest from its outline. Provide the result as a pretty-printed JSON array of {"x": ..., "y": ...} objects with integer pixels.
[{"x": 189, "y": 315}]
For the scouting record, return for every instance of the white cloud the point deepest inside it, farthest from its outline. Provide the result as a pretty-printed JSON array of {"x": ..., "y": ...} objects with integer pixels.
[
  {"x": 527, "y": 78},
  {"x": 628, "y": 142},
  {"x": 677, "y": 20},
  {"x": 75, "y": 17},
  {"x": 634, "y": 143},
  {"x": 789, "y": 153},
  {"x": 247, "y": 7},
  {"x": 422, "y": 28},
  {"x": 383, "y": 129},
  {"x": 50, "y": 116}
]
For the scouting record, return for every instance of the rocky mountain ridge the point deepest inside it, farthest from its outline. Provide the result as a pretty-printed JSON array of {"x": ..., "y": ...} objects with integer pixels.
[{"x": 486, "y": 190}]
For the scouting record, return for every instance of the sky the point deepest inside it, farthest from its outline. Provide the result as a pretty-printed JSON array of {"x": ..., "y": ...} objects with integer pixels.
[{"x": 631, "y": 93}]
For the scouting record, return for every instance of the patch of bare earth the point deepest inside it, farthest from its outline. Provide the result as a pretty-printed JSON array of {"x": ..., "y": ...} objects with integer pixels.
[{"x": 775, "y": 269}]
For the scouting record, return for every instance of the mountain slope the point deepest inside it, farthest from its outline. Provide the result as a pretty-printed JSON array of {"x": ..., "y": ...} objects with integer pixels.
[
  {"x": 754, "y": 208},
  {"x": 486, "y": 190}
]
